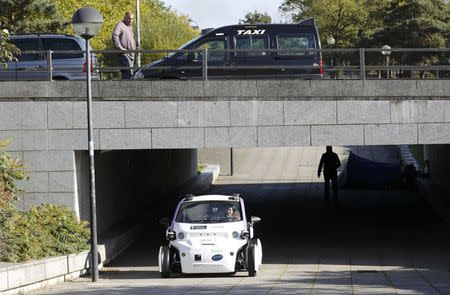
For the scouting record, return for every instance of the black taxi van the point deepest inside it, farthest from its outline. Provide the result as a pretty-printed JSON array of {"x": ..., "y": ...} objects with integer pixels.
[{"x": 293, "y": 53}]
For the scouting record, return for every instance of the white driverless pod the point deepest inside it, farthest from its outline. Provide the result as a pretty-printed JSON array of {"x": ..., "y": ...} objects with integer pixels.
[{"x": 210, "y": 234}]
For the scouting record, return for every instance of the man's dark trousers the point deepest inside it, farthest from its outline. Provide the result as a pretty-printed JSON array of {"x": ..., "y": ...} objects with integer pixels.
[
  {"x": 126, "y": 61},
  {"x": 333, "y": 179}
]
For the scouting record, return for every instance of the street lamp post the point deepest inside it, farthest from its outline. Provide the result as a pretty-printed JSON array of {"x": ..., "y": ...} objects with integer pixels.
[
  {"x": 86, "y": 23},
  {"x": 331, "y": 41},
  {"x": 386, "y": 52},
  {"x": 138, "y": 33}
]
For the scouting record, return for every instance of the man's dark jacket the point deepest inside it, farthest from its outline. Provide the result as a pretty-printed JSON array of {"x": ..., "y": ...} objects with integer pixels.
[{"x": 330, "y": 162}]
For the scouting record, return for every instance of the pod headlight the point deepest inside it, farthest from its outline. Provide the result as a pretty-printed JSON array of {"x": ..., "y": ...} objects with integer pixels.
[
  {"x": 180, "y": 236},
  {"x": 235, "y": 234}
]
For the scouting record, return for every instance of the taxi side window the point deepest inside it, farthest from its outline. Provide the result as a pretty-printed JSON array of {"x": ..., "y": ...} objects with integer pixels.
[
  {"x": 251, "y": 42},
  {"x": 212, "y": 46},
  {"x": 297, "y": 42}
]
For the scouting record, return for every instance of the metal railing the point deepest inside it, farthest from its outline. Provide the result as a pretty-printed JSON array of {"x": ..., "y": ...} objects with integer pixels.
[{"x": 349, "y": 63}]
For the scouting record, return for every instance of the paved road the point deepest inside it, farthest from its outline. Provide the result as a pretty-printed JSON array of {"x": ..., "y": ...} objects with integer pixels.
[{"x": 371, "y": 242}]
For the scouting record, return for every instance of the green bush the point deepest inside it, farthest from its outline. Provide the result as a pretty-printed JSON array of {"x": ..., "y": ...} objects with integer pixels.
[
  {"x": 46, "y": 230},
  {"x": 11, "y": 170}
]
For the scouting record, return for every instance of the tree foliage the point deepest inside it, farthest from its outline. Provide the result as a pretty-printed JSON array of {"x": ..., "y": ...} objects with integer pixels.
[
  {"x": 347, "y": 21},
  {"x": 31, "y": 16},
  {"x": 414, "y": 23},
  {"x": 161, "y": 28},
  {"x": 355, "y": 23},
  {"x": 8, "y": 51},
  {"x": 256, "y": 18}
]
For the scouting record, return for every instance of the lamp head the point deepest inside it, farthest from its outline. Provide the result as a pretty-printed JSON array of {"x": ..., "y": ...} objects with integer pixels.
[
  {"x": 87, "y": 22},
  {"x": 331, "y": 41},
  {"x": 386, "y": 51}
]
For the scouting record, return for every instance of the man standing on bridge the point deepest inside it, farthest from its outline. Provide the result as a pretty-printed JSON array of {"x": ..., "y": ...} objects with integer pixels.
[
  {"x": 330, "y": 162},
  {"x": 123, "y": 39}
]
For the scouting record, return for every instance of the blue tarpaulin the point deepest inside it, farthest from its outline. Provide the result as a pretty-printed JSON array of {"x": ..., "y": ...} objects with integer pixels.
[{"x": 370, "y": 174}]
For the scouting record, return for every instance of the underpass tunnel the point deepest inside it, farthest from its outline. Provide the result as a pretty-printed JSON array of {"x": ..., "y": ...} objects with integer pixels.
[
  {"x": 281, "y": 186},
  {"x": 132, "y": 185}
]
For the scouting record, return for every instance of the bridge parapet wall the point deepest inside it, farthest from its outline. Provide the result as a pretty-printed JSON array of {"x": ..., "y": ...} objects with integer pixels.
[{"x": 216, "y": 89}]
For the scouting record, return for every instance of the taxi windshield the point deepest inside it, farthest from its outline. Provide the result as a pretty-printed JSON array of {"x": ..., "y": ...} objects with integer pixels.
[
  {"x": 209, "y": 212},
  {"x": 186, "y": 45}
]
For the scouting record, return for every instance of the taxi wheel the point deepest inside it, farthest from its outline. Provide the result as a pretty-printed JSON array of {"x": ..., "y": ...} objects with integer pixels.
[
  {"x": 251, "y": 260},
  {"x": 165, "y": 262}
]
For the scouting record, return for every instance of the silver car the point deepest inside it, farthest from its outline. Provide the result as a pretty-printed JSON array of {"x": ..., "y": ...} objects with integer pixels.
[{"x": 65, "y": 65}]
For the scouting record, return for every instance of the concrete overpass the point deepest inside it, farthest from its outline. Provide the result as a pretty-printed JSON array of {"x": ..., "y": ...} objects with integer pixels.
[{"x": 154, "y": 128}]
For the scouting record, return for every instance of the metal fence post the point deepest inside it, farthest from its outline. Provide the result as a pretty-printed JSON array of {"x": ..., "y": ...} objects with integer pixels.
[
  {"x": 231, "y": 162},
  {"x": 49, "y": 65},
  {"x": 362, "y": 64},
  {"x": 205, "y": 64}
]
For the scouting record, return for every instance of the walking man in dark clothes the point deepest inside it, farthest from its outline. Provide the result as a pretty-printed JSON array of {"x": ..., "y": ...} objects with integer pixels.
[
  {"x": 329, "y": 162},
  {"x": 123, "y": 39}
]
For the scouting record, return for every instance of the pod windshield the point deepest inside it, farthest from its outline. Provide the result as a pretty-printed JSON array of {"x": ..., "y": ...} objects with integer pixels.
[{"x": 209, "y": 212}]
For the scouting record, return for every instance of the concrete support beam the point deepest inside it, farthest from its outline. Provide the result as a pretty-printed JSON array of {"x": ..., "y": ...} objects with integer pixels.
[
  {"x": 178, "y": 138},
  {"x": 363, "y": 112},
  {"x": 115, "y": 139},
  {"x": 434, "y": 133},
  {"x": 390, "y": 134},
  {"x": 150, "y": 114},
  {"x": 337, "y": 135},
  {"x": 70, "y": 140},
  {"x": 284, "y": 136},
  {"x": 417, "y": 111},
  {"x": 60, "y": 114},
  {"x": 310, "y": 112},
  {"x": 23, "y": 116},
  {"x": 232, "y": 136},
  {"x": 104, "y": 115},
  {"x": 203, "y": 113},
  {"x": 26, "y": 140},
  {"x": 48, "y": 160}
]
